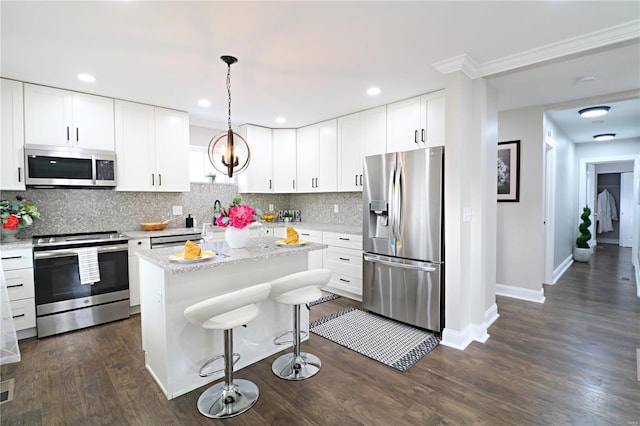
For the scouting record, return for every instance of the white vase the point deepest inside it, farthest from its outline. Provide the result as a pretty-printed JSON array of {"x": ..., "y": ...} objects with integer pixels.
[
  {"x": 9, "y": 235},
  {"x": 237, "y": 238}
]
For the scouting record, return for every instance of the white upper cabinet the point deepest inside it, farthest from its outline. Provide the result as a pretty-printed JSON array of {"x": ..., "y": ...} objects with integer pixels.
[
  {"x": 172, "y": 150},
  {"x": 284, "y": 160},
  {"x": 152, "y": 148},
  {"x": 12, "y": 136},
  {"x": 258, "y": 177},
  {"x": 416, "y": 123},
  {"x": 359, "y": 135},
  {"x": 64, "y": 118},
  {"x": 316, "y": 154}
]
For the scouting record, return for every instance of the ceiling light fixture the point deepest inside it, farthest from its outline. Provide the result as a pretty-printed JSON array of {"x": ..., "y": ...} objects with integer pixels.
[
  {"x": 604, "y": 136},
  {"x": 595, "y": 111},
  {"x": 225, "y": 155},
  {"x": 373, "y": 91},
  {"x": 204, "y": 103},
  {"x": 87, "y": 78}
]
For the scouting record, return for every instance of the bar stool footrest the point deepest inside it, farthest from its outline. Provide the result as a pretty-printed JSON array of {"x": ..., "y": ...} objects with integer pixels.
[{"x": 236, "y": 358}]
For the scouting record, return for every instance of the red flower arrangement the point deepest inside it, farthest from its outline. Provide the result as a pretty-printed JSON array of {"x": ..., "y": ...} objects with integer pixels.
[{"x": 18, "y": 213}]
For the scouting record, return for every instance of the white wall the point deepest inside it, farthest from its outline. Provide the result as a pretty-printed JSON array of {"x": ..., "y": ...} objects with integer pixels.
[
  {"x": 566, "y": 195},
  {"x": 520, "y": 229}
]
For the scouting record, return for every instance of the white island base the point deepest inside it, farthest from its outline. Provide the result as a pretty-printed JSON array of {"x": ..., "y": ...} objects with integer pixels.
[{"x": 176, "y": 349}]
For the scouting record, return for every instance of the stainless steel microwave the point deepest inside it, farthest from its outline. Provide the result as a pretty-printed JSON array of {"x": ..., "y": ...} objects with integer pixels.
[{"x": 52, "y": 166}]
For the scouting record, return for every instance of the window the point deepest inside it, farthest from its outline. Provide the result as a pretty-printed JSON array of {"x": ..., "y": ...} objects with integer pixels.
[{"x": 200, "y": 166}]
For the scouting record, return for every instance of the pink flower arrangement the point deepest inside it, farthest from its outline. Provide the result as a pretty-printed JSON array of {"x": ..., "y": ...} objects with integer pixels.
[{"x": 238, "y": 216}]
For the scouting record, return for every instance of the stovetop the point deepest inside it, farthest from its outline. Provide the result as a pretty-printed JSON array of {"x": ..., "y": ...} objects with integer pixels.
[{"x": 83, "y": 238}]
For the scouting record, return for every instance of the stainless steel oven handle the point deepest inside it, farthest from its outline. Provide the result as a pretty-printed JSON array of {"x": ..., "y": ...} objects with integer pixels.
[
  {"x": 48, "y": 254},
  {"x": 399, "y": 265}
]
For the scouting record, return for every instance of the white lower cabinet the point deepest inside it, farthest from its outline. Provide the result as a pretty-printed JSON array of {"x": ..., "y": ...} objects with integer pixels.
[
  {"x": 18, "y": 269},
  {"x": 315, "y": 257},
  {"x": 134, "y": 261},
  {"x": 344, "y": 258}
]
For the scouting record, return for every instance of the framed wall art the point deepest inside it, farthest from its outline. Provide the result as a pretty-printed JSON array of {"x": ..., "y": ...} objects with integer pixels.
[{"x": 509, "y": 171}]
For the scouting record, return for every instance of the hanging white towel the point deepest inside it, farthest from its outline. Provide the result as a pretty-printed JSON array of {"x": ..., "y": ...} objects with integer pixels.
[
  {"x": 88, "y": 265},
  {"x": 607, "y": 211}
]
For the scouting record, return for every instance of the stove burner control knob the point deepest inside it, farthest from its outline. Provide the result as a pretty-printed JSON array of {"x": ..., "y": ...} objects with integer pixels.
[
  {"x": 40, "y": 241},
  {"x": 52, "y": 240}
]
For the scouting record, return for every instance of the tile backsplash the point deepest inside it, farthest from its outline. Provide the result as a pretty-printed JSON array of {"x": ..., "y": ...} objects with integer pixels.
[{"x": 93, "y": 210}]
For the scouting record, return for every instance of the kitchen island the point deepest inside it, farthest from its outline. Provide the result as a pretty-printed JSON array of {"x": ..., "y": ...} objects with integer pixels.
[{"x": 176, "y": 349}]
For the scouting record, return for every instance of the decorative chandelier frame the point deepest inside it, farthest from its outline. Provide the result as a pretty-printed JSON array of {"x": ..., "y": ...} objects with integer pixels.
[{"x": 229, "y": 152}]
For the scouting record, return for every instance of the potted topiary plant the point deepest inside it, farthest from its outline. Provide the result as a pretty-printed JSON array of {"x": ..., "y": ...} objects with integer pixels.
[{"x": 582, "y": 252}]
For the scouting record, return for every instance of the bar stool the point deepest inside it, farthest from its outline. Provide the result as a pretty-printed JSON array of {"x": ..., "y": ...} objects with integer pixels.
[
  {"x": 296, "y": 289},
  {"x": 226, "y": 312}
]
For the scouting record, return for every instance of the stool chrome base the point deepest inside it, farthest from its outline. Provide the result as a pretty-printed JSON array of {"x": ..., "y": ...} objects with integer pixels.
[
  {"x": 221, "y": 401},
  {"x": 291, "y": 367}
]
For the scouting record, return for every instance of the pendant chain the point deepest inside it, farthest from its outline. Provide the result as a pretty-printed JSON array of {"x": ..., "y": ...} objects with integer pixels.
[{"x": 229, "y": 92}]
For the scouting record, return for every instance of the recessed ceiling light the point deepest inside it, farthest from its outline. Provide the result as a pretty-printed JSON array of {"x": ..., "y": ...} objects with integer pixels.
[
  {"x": 87, "y": 78},
  {"x": 204, "y": 103},
  {"x": 595, "y": 111},
  {"x": 373, "y": 91},
  {"x": 586, "y": 79},
  {"x": 604, "y": 136},
  {"x": 281, "y": 120}
]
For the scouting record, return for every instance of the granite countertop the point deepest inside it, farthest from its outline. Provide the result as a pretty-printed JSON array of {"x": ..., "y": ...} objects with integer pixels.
[
  {"x": 328, "y": 227},
  {"x": 258, "y": 248}
]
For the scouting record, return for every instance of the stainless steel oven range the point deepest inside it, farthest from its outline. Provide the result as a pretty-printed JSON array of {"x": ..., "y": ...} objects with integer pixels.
[{"x": 67, "y": 299}]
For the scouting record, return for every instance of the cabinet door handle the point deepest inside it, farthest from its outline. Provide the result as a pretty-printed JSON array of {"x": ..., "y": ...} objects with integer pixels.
[
  {"x": 67, "y": 133},
  {"x": 302, "y": 233},
  {"x": 139, "y": 243},
  {"x": 294, "y": 183},
  {"x": 15, "y": 285},
  {"x": 153, "y": 179},
  {"x": 360, "y": 180},
  {"x": 317, "y": 185},
  {"x": 159, "y": 179},
  {"x": 415, "y": 137},
  {"x": 344, "y": 258},
  {"x": 269, "y": 183},
  {"x": 77, "y": 134},
  {"x": 312, "y": 183},
  {"x": 356, "y": 180},
  {"x": 344, "y": 239},
  {"x": 17, "y": 316},
  {"x": 422, "y": 130},
  {"x": 19, "y": 175},
  {"x": 346, "y": 281},
  {"x": 12, "y": 257}
]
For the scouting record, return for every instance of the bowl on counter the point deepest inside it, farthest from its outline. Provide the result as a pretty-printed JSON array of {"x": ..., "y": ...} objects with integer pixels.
[
  {"x": 154, "y": 226},
  {"x": 269, "y": 216}
]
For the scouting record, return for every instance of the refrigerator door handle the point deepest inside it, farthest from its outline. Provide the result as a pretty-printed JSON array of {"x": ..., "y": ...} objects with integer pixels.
[{"x": 399, "y": 265}]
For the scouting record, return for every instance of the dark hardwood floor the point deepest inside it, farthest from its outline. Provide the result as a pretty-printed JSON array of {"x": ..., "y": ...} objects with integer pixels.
[{"x": 571, "y": 360}]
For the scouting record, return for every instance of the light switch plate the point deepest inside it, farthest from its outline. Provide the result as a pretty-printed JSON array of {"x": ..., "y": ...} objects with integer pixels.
[
  {"x": 177, "y": 210},
  {"x": 335, "y": 208}
]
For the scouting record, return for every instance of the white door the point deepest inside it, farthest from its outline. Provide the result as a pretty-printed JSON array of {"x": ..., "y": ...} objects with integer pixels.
[
  {"x": 12, "y": 139},
  {"x": 403, "y": 125},
  {"x": 93, "y": 122},
  {"x": 172, "y": 150},
  {"x": 327, "y": 180},
  {"x": 349, "y": 157},
  {"x": 47, "y": 116},
  {"x": 626, "y": 209},
  {"x": 284, "y": 160},
  {"x": 307, "y": 158},
  {"x": 592, "y": 183}
]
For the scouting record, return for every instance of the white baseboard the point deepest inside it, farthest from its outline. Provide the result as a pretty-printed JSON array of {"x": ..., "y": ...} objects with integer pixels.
[
  {"x": 520, "y": 293},
  {"x": 562, "y": 268},
  {"x": 472, "y": 332}
]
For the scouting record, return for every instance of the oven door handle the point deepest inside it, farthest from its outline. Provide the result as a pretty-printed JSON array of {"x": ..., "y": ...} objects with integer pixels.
[{"x": 48, "y": 254}]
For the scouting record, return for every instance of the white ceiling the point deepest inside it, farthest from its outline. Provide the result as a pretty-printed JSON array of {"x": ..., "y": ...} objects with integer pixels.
[{"x": 308, "y": 61}]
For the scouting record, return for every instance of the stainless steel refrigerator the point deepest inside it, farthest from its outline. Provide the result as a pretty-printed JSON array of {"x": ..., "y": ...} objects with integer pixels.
[{"x": 403, "y": 265}]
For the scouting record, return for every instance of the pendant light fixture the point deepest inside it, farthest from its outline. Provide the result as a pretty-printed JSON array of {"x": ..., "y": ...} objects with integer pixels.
[{"x": 229, "y": 152}]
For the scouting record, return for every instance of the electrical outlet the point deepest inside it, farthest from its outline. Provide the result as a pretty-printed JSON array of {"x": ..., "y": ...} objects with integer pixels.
[
  {"x": 335, "y": 208},
  {"x": 177, "y": 210}
]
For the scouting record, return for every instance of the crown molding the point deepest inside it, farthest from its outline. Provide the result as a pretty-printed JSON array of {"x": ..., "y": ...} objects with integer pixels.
[
  {"x": 575, "y": 45},
  {"x": 464, "y": 63}
]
